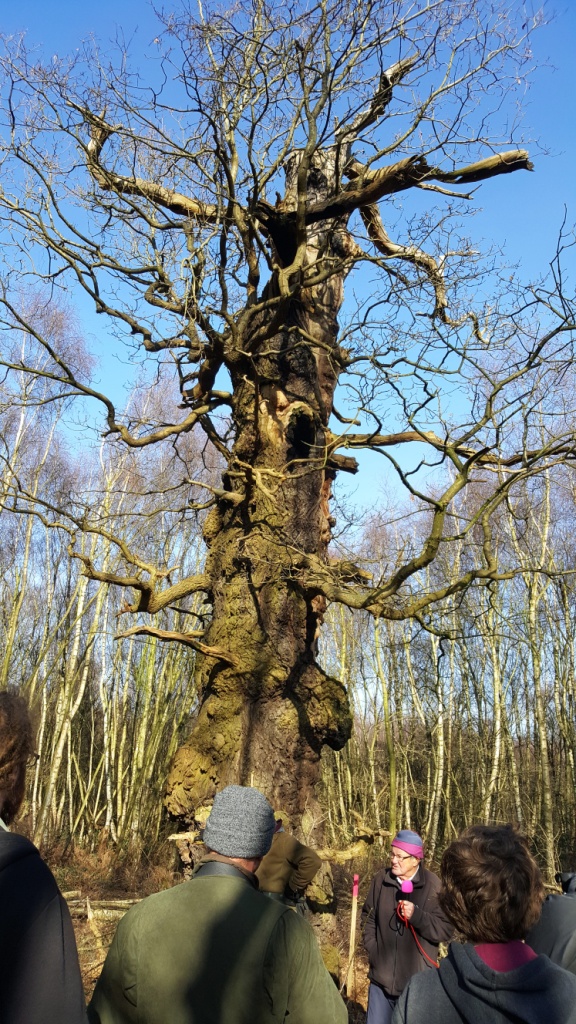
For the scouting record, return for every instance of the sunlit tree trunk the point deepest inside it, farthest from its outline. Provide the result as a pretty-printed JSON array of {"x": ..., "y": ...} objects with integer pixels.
[
  {"x": 268, "y": 703},
  {"x": 439, "y": 752},
  {"x": 385, "y": 691},
  {"x": 491, "y": 792}
]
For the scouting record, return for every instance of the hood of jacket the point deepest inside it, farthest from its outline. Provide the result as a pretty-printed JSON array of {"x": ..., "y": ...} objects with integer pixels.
[
  {"x": 14, "y": 847},
  {"x": 535, "y": 992}
]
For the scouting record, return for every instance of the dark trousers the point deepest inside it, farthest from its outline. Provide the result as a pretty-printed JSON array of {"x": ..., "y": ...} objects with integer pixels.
[{"x": 380, "y": 1006}]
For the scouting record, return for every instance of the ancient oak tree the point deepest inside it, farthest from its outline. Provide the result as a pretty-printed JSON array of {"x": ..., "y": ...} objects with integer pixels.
[{"x": 210, "y": 203}]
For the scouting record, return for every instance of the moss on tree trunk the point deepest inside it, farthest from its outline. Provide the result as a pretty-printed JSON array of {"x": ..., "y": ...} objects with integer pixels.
[{"x": 267, "y": 712}]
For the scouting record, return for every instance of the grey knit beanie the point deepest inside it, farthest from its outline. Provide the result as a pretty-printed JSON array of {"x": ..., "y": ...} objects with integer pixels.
[{"x": 241, "y": 823}]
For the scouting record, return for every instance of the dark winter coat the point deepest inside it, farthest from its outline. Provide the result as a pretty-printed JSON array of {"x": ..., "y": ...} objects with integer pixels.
[
  {"x": 466, "y": 991},
  {"x": 40, "y": 979},
  {"x": 392, "y": 950},
  {"x": 555, "y": 933},
  {"x": 214, "y": 950}
]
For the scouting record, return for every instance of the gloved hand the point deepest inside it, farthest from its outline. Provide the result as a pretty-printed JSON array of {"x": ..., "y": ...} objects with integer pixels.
[
  {"x": 296, "y": 899},
  {"x": 292, "y": 894}
]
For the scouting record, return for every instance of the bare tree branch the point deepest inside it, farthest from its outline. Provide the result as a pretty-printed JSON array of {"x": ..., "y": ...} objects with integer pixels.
[{"x": 188, "y": 639}]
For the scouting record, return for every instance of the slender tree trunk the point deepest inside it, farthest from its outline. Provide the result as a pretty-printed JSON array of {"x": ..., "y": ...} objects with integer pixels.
[
  {"x": 540, "y": 712},
  {"x": 388, "y": 730},
  {"x": 491, "y": 791},
  {"x": 438, "y": 734},
  {"x": 69, "y": 699}
]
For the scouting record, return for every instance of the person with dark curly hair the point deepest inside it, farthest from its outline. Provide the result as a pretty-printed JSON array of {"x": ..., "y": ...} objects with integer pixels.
[
  {"x": 492, "y": 893},
  {"x": 40, "y": 980}
]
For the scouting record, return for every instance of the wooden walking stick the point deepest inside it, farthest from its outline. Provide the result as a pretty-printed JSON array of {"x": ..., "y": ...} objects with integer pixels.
[{"x": 351, "y": 973}]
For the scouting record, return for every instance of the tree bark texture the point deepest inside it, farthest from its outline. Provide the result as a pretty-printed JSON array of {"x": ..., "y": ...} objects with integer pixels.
[{"x": 267, "y": 704}]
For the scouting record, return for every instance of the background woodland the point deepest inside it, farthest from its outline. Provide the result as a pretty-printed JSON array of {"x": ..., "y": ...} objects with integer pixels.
[
  {"x": 268, "y": 221},
  {"x": 466, "y": 716}
]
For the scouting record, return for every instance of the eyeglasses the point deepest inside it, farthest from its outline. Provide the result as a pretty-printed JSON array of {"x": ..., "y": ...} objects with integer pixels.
[{"x": 401, "y": 856}]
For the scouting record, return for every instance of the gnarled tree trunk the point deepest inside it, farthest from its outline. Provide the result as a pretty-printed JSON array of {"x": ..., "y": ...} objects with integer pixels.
[{"x": 267, "y": 703}]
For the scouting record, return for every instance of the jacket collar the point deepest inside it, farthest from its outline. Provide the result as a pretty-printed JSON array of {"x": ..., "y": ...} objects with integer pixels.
[
  {"x": 215, "y": 864},
  {"x": 417, "y": 880}
]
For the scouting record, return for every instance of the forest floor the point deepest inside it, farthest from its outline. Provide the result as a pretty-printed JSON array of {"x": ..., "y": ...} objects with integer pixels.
[{"x": 99, "y": 890}]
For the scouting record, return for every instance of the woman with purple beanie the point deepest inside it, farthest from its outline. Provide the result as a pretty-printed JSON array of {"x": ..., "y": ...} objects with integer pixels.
[{"x": 402, "y": 925}]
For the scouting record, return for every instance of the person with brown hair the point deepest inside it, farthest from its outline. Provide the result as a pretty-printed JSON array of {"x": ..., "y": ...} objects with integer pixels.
[
  {"x": 492, "y": 893},
  {"x": 40, "y": 980}
]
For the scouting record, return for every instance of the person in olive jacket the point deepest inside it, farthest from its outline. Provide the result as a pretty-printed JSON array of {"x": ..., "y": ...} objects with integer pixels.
[
  {"x": 287, "y": 869},
  {"x": 40, "y": 980},
  {"x": 402, "y": 925},
  {"x": 215, "y": 949}
]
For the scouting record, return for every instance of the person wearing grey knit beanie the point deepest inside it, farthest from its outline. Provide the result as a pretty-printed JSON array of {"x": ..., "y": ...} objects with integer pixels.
[
  {"x": 214, "y": 947},
  {"x": 241, "y": 823}
]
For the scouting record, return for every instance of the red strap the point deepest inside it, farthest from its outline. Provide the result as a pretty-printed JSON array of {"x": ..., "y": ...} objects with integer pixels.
[{"x": 416, "y": 940}]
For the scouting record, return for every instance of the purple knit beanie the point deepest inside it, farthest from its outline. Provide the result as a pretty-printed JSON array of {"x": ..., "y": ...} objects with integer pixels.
[{"x": 410, "y": 842}]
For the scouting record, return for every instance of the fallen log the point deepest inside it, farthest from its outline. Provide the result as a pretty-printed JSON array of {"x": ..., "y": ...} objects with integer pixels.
[
  {"x": 357, "y": 848},
  {"x": 100, "y": 910}
]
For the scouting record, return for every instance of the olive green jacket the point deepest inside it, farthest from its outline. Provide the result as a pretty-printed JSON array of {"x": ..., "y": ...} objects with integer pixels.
[
  {"x": 287, "y": 864},
  {"x": 214, "y": 950}
]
